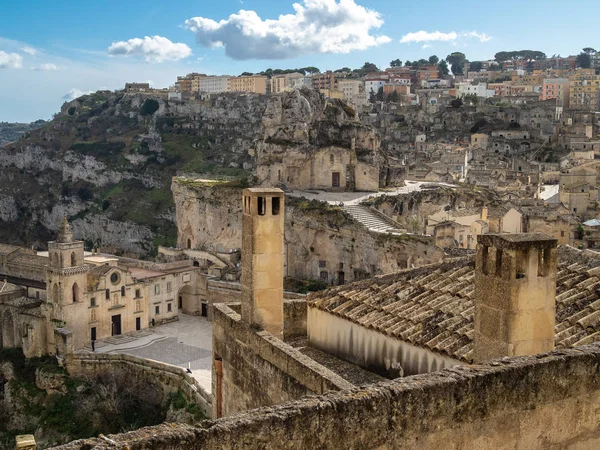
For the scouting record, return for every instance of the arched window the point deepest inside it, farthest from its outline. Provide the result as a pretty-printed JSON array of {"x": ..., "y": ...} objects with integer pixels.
[
  {"x": 73, "y": 260},
  {"x": 331, "y": 159},
  {"x": 75, "y": 293},
  {"x": 189, "y": 243},
  {"x": 107, "y": 294},
  {"x": 196, "y": 264},
  {"x": 122, "y": 291}
]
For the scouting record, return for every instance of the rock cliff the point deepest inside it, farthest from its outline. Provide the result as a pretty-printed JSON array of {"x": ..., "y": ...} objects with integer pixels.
[{"x": 106, "y": 162}]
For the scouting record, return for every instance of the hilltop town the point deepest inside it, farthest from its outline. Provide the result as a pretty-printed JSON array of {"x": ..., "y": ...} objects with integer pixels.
[{"x": 411, "y": 251}]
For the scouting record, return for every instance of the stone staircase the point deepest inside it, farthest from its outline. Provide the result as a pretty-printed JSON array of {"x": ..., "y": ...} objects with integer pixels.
[{"x": 371, "y": 220}]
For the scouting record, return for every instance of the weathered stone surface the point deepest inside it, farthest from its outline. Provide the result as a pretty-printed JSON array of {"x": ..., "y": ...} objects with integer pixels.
[
  {"x": 542, "y": 402},
  {"x": 51, "y": 381}
]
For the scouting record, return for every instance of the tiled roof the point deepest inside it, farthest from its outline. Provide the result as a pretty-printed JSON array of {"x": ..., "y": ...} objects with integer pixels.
[{"x": 433, "y": 306}]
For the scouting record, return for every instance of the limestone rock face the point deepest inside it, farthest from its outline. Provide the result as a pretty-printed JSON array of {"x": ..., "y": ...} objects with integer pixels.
[
  {"x": 210, "y": 217},
  {"x": 50, "y": 381},
  {"x": 298, "y": 126}
]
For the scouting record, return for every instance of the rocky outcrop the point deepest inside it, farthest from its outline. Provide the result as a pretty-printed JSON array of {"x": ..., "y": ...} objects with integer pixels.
[
  {"x": 319, "y": 238},
  {"x": 106, "y": 163},
  {"x": 51, "y": 381}
]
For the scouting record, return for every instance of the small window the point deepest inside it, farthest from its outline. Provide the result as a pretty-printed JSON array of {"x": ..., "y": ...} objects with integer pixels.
[
  {"x": 137, "y": 293},
  {"x": 331, "y": 159},
  {"x": 37, "y": 294},
  {"x": 169, "y": 307},
  {"x": 169, "y": 286},
  {"x": 156, "y": 289},
  {"x": 107, "y": 294},
  {"x": 92, "y": 302},
  {"x": 115, "y": 278},
  {"x": 189, "y": 243},
  {"x": 261, "y": 206},
  {"x": 562, "y": 234},
  {"x": 122, "y": 291},
  {"x": 324, "y": 276},
  {"x": 276, "y": 204},
  {"x": 157, "y": 310},
  {"x": 341, "y": 266},
  {"x": 322, "y": 263}
]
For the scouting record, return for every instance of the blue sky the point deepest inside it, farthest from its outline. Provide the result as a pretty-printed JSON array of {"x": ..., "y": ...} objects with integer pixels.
[{"x": 53, "y": 50}]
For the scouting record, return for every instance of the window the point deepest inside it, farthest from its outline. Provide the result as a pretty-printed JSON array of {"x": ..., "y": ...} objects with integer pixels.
[
  {"x": 331, "y": 159},
  {"x": 122, "y": 291},
  {"x": 37, "y": 294},
  {"x": 92, "y": 302},
  {"x": 189, "y": 243},
  {"x": 156, "y": 289},
  {"x": 169, "y": 286},
  {"x": 157, "y": 310},
  {"x": 562, "y": 234},
  {"x": 322, "y": 263},
  {"x": 341, "y": 266},
  {"x": 169, "y": 307},
  {"x": 137, "y": 293},
  {"x": 115, "y": 278},
  {"x": 324, "y": 275},
  {"x": 138, "y": 305},
  {"x": 262, "y": 203},
  {"x": 73, "y": 260},
  {"x": 276, "y": 205},
  {"x": 107, "y": 294}
]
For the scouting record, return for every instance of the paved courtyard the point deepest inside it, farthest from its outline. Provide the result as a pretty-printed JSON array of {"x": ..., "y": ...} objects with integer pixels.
[
  {"x": 186, "y": 343},
  {"x": 355, "y": 198}
]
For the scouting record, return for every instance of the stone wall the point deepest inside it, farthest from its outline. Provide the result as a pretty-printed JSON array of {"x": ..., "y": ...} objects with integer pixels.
[
  {"x": 540, "y": 402},
  {"x": 260, "y": 370},
  {"x": 385, "y": 355},
  {"x": 138, "y": 370}
]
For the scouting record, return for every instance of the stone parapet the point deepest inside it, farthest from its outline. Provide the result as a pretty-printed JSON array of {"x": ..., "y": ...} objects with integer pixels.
[
  {"x": 538, "y": 402},
  {"x": 171, "y": 378}
]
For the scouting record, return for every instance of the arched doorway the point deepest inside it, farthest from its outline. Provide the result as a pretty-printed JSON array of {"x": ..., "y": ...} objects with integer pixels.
[
  {"x": 188, "y": 301},
  {"x": 76, "y": 295}
]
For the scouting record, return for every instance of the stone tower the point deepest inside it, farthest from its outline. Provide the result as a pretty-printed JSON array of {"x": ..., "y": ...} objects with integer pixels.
[
  {"x": 66, "y": 283},
  {"x": 262, "y": 259},
  {"x": 515, "y": 295}
]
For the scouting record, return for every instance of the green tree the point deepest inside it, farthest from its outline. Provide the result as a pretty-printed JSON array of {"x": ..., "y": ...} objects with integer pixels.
[
  {"x": 372, "y": 96},
  {"x": 247, "y": 74},
  {"x": 379, "y": 96},
  {"x": 369, "y": 68},
  {"x": 311, "y": 69},
  {"x": 443, "y": 68},
  {"x": 457, "y": 61},
  {"x": 433, "y": 60},
  {"x": 393, "y": 97},
  {"x": 584, "y": 60},
  {"x": 408, "y": 63},
  {"x": 471, "y": 99},
  {"x": 589, "y": 51},
  {"x": 343, "y": 70},
  {"x": 423, "y": 62},
  {"x": 475, "y": 66},
  {"x": 396, "y": 63},
  {"x": 456, "y": 103}
]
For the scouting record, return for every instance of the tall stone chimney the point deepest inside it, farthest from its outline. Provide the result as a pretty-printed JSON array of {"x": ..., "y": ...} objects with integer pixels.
[
  {"x": 484, "y": 213},
  {"x": 515, "y": 295},
  {"x": 262, "y": 259}
]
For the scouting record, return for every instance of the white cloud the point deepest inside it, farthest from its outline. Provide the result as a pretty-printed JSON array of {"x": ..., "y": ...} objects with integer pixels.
[
  {"x": 426, "y": 46},
  {"x": 29, "y": 50},
  {"x": 152, "y": 49},
  {"x": 432, "y": 36},
  {"x": 10, "y": 60},
  {"x": 481, "y": 36},
  {"x": 425, "y": 36},
  {"x": 45, "y": 67},
  {"x": 75, "y": 93},
  {"x": 317, "y": 26}
]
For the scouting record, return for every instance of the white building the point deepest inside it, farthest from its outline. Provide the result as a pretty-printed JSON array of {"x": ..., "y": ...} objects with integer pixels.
[
  {"x": 480, "y": 90},
  {"x": 297, "y": 83},
  {"x": 284, "y": 82},
  {"x": 214, "y": 85}
]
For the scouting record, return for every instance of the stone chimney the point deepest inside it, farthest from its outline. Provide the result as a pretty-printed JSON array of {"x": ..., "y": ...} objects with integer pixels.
[
  {"x": 484, "y": 213},
  {"x": 262, "y": 259},
  {"x": 515, "y": 295}
]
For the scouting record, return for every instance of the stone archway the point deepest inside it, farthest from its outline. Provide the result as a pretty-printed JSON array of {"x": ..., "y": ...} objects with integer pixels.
[{"x": 188, "y": 301}]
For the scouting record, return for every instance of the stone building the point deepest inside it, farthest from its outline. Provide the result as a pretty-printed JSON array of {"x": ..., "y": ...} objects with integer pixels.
[
  {"x": 518, "y": 297},
  {"x": 91, "y": 296}
]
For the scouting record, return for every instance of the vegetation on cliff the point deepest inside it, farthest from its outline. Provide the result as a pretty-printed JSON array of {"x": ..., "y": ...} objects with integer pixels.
[{"x": 38, "y": 397}]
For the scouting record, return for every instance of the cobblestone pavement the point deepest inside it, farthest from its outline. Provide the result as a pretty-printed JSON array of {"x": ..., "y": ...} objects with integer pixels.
[{"x": 182, "y": 343}]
